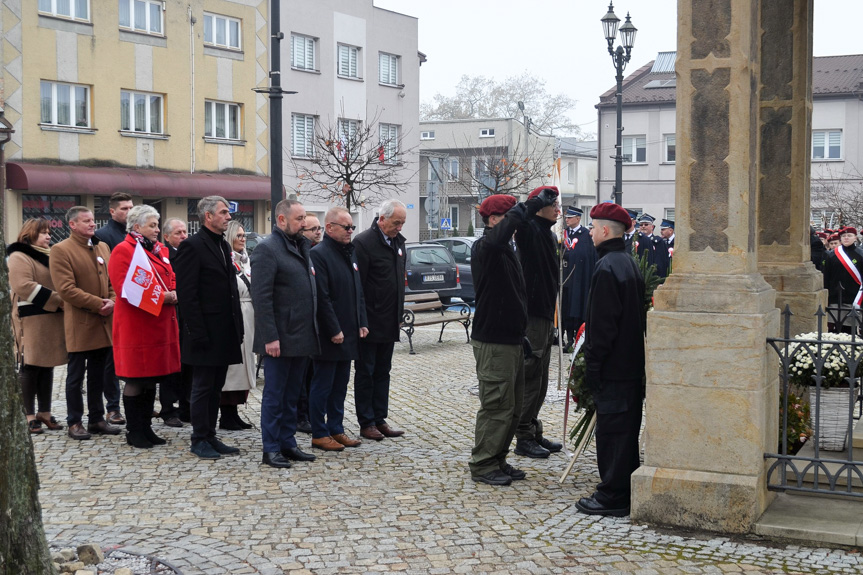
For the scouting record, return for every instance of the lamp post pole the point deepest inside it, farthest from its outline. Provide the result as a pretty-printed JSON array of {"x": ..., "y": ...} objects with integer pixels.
[{"x": 619, "y": 57}]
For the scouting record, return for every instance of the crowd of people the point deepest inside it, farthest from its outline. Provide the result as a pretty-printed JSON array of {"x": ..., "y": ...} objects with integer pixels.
[{"x": 187, "y": 317}]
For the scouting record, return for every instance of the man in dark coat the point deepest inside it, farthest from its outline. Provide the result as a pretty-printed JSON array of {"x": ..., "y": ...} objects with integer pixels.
[
  {"x": 579, "y": 257},
  {"x": 537, "y": 251},
  {"x": 314, "y": 233},
  {"x": 614, "y": 361},
  {"x": 666, "y": 230},
  {"x": 843, "y": 271},
  {"x": 179, "y": 385},
  {"x": 342, "y": 322},
  {"x": 498, "y": 335},
  {"x": 286, "y": 333},
  {"x": 212, "y": 321},
  {"x": 631, "y": 234},
  {"x": 380, "y": 252},
  {"x": 112, "y": 234}
]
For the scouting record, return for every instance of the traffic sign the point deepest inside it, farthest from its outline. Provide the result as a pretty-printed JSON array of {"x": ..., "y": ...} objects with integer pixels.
[
  {"x": 446, "y": 223},
  {"x": 233, "y": 207}
]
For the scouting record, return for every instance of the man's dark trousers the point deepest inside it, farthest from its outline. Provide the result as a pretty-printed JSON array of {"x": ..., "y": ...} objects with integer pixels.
[
  {"x": 540, "y": 332},
  {"x": 372, "y": 382},
  {"x": 93, "y": 362},
  {"x": 327, "y": 397},
  {"x": 617, "y": 449},
  {"x": 207, "y": 384},
  {"x": 283, "y": 377},
  {"x": 111, "y": 385}
]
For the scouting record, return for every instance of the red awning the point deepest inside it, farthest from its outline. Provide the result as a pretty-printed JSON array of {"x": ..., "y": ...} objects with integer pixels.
[{"x": 64, "y": 180}]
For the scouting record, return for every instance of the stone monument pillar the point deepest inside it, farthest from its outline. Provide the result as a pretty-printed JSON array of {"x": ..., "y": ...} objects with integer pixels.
[
  {"x": 712, "y": 393},
  {"x": 785, "y": 109}
]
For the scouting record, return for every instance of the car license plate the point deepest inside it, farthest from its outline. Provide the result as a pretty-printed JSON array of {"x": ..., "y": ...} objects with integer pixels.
[{"x": 428, "y": 278}]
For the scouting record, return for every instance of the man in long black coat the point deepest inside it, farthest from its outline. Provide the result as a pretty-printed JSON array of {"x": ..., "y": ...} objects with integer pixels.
[
  {"x": 614, "y": 360},
  {"x": 212, "y": 321},
  {"x": 284, "y": 296},
  {"x": 380, "y": 252},
  {"x": 342, "y": 323},
  {"x": 579, "y": 258}
]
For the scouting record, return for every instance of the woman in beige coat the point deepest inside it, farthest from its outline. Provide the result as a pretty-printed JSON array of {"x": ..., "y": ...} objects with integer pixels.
[{"x": 37, "y": 316}]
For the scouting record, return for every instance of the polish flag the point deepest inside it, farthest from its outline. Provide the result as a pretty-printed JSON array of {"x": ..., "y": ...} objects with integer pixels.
[{"x": 142, "y": 287}]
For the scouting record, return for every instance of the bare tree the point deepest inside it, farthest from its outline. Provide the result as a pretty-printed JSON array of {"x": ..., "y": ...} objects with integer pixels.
[
  {"x": 353, "y": 163},
  {"x": 481, "y": 97},
  {"x": 499, "y": 169},
  {"x": 840, "y": 193}
]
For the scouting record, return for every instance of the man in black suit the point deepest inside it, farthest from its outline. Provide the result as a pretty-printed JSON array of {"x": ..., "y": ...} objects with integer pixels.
[
  {"x": 286, "y": 333},
  {"x": 579, "y": 257},
  {"x": 179, "y": 385},
  {"x": 380, "y": 252},
  {"x": 212, "y": 320},
  {"x": 342, "y": 322}
]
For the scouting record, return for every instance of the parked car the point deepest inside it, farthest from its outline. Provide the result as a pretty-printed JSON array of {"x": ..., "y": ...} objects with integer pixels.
[
  {"x": 460, "y": 249},
  {"x": 430, "y": 267},
  {"x": 253, "y": 239}
]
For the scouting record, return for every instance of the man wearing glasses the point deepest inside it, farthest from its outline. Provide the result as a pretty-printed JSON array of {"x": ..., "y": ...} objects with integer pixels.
[{"x": 313, "y": 231}]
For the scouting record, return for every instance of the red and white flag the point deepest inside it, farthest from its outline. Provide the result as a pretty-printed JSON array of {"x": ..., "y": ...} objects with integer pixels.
[{"x": 142, "y": 287}]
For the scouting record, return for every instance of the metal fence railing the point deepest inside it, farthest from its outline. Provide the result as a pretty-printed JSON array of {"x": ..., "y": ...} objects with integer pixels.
[{"x": 819, "y": 376}]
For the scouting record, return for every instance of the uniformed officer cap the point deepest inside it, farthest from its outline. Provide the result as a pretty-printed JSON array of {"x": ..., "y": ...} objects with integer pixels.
[
  {"x": 666, "y": 224},
  {"x": 646, "y": 218},
  {"x": 572, "y": 211},
  {"x": 632, "y": 214}
]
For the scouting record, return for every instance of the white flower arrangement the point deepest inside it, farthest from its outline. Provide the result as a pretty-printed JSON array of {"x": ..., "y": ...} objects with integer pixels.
[{"x": 805, "y": 355}]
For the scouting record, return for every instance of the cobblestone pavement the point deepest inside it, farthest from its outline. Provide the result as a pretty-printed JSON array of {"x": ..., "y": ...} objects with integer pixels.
[{"x": 401, "y": 505}]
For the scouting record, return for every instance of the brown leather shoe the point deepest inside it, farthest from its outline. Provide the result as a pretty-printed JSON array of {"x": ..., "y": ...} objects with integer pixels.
[
  {"x": 115, "y": 418},
  {"x": 389, "y": 431},
  {"x": 103, "y": 427},
  {"x": 77, "y": 431},
  {"x": 347, "y": 441},
  {"x": 371, "y": 432},
  {"x": 327, "y": 444}
]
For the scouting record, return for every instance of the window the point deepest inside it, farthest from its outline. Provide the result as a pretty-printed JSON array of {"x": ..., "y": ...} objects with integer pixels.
[
  {"x": 570, "y": 172},
  {"x": 670, "y": 148},
  {"x": 440, "y": 168},
  {"x": 65, "y": 104},
  {"x": 388, "y": 65},
  {"x": 141, "y": 15},
  {"x": 389, "y": 143},
  {"x": 429, "y": 135},
  {"x": 669, "y": 214},
  {"x": 486, "y": 133},
  {"x": 460, "y": 251},
  {"x": 221, "y": 31},
  {"x": 453, "y": 217},
  {"x": 140, "y": 112},
  {"x": 826, "y": 144},
  {"x": 76, "y": 9},
  {"x": 302, "y": 135},
  {"x": 482, "y": 174},
  {"x": 349, "y": 61},
  {"x": 302, "y": 52},
  {"x": 222, "y": 120},
  {"x": 634, "y": 149},
  {"x": 348, "y": 137}
]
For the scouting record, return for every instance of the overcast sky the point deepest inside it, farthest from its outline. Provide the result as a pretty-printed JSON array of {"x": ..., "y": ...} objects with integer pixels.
[{"x": 561, "y": 41}]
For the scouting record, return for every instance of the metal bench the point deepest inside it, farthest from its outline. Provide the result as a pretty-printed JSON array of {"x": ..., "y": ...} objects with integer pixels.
[{"x": 419, "y": 302}]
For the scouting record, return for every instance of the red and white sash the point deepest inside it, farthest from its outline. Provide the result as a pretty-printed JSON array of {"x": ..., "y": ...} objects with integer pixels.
[{"x": 851, "y": 269}]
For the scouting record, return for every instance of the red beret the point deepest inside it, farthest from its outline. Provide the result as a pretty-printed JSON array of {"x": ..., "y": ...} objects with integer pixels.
[
  {"x": 833, "y": 237},
  {"x": 609, "y": 211},
  {"x": 536, "y": 192},
  {"x": 821, "y": 234},
  {"x": 496, "y": 204},
  {"x": 848, "y": 230}
]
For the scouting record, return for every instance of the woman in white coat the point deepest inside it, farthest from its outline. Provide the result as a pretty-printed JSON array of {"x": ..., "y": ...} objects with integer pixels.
[{"x": 241, "y": 376}]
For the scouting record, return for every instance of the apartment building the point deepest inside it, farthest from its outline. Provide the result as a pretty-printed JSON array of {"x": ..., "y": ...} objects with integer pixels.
[
  {"x": 149, "y": 97},
  {"x": 354, "y": 67},
  {"x": 649, "y": 136}
]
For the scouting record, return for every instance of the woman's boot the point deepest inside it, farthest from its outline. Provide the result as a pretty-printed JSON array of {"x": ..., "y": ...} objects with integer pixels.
[
  {"x": 228, "y": 418},
  {"x": 148, "y": 400},
  {"x": 134, "y": 426}
]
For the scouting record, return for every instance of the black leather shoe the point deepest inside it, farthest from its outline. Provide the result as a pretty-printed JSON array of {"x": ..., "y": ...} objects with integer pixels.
[
  {"x": 221, "y": 448},
  {"x": 296, "y": 454},
  {"x": 552, "y": 446},
  {"x": 590, "y": 506},
  {"x": 304, "y": 426},
  {"x": 103, "y": 427},
  {"x": 276, "y": 459},
  {"x": 173, "y": 422},
  {"x": 530, "y": 448},
  {"x": 515, "y": 474},
  {"x": 496, "y": 477}
]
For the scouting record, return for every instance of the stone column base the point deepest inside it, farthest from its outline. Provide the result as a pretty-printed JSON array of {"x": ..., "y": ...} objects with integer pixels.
[
  {"x": 801, "y": 288},
  {"x": 698, "y": 499}
]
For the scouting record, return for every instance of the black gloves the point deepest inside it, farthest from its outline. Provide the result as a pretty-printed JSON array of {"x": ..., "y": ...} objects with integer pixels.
[{"x": 548, "y": 196}]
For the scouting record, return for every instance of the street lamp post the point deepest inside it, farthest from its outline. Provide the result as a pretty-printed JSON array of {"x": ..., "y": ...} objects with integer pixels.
[
  {"x": 620, "y": 57},
  {"x": 526, "y": 121}
]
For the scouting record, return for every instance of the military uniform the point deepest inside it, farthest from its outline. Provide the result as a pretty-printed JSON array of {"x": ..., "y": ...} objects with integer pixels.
[{"x": 579, "y": 258}]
